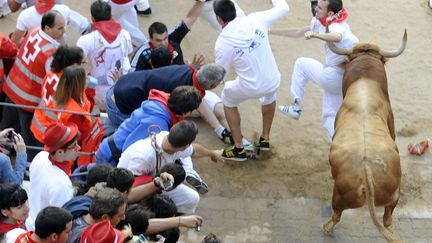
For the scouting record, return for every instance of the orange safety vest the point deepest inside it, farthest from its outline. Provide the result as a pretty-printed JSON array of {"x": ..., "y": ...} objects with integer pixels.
[
  {"x": 43, "y": 119},
  {"x": 23, "y": 84}
]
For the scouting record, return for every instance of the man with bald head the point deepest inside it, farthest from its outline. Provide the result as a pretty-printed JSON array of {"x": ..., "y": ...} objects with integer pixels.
[{"x": 23, "y": 84}]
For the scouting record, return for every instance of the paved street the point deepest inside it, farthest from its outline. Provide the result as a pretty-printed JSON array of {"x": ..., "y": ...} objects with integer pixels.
[{"x": 300, "y": 220}]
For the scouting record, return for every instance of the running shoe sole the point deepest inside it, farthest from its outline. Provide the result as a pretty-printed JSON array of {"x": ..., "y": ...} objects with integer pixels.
[{"x": 200, "y": 186}]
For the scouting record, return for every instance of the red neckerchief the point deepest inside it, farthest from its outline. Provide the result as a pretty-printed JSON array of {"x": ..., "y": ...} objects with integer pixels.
[
  {"x": 170, "y": 48},
  {"x": 109, "y": 29},
  {"x": 26, "y": 236},
  {"x": 43, "y": 6},
  {"x": 121, "y": 2},
  {"x": 195, "y": 82},
  {"x": 5, "y": 227},
  {"x": 224, "y": 24},
  {"x": 64, "y": 166},
  {"x": 162, "y": 97},
  {"x": 335, "y": 18}
]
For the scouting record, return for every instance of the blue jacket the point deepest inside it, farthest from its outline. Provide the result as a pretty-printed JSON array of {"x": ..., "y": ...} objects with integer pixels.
[
  {"x": 134, "y": 128},
  {"x": 8, "y": 173},
  {"x": 133, "y": 88},
  {"x": 78, "y": 206}
]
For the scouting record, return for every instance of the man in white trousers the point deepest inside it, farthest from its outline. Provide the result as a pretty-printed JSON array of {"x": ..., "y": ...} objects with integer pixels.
[
  {"x": 123, "y": 12},
  {"x": 147, "y": 156},
  {"x": 329, "y": 75},
  {"x": 244, "y": 44},
  {"x": 143, "y": 8}
]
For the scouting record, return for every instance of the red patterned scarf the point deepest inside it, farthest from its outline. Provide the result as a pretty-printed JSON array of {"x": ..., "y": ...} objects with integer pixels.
[
  {"x": 109, "y": 29},
  {"x": 335, "y": 18}
]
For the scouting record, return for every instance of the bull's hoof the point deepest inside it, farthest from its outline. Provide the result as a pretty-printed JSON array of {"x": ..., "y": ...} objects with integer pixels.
[{"x": 328, "y": 227}]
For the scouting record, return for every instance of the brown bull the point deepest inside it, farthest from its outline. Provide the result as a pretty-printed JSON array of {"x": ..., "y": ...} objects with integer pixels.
[{"x": 364, "y": 158}]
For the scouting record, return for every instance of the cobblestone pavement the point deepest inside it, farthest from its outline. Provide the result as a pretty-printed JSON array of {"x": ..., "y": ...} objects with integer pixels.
[{"x": 300, "y": 220}]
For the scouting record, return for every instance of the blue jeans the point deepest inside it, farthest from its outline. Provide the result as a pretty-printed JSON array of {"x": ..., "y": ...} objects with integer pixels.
[{"x": 114, "y": 114}]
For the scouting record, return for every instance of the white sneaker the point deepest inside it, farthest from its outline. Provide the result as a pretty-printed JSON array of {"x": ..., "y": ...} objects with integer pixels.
[
  {"x": 430, "y": 4},
  {"x": 290, "y": 111}
]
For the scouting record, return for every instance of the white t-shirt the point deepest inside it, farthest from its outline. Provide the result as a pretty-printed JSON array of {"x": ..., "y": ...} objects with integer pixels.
[
  {"x": 140, "y": 157},
  {"x": 30, "y": 19},
  {"x": 348, "y": 39},
  {"x": 49, "y": 186},
  {"x": 103, "y": 56},
  {"x": 244, "y": 44}
]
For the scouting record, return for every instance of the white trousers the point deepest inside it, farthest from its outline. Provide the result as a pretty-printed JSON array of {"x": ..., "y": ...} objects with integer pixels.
[
  {"x": 126, "y": 15},
  {"x": 327, "y": 77},
  {"x": 208, "y": 14},
  {"x": 142, "y": 5},
  {"x": 185, "y": 198},
  {"x": 79, "y": 22}
]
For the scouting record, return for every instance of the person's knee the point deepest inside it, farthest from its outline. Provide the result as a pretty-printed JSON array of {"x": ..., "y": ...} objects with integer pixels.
[
  {"x": 301, "y": 61},
  {"x": 219, "y": 111},
  {"x": 191, "y": 202}
]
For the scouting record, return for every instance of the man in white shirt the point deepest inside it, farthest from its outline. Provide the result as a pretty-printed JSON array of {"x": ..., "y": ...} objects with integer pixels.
[
  {"x": 30, "y": 19},
  {"x": 50, "y": 170},
  {"x": 147, "y": 156},
  {"x": 123, "y": 11},
  {"x": 16, "y": 5},
  {"x": 329, "y": 75},
  {"x": 107, "y": 49},
  {"x": 244, "y": 44}
]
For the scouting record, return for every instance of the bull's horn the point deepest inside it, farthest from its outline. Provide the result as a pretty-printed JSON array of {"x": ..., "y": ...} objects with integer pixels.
[
  {"x": 395, "y": 53},
  {"x": 335, "y": 49}
]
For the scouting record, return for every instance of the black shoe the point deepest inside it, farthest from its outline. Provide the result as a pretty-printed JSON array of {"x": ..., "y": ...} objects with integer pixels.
[
  {"x": 227, "y": 137},
  {"x": 262, "y": 144},
  {"x": 197, "y": 183},
  {"x": 232, "y": 154},
  {"x": 146, "y": 12}
]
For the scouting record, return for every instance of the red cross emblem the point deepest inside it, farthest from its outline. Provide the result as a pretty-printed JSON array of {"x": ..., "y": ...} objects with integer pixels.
[
  {"x": 50, "y": 87},
  {"x": 32, "y": 49}
]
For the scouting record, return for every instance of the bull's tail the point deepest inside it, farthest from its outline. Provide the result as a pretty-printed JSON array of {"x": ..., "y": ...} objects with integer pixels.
[{"x": 370, "y": 200}]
